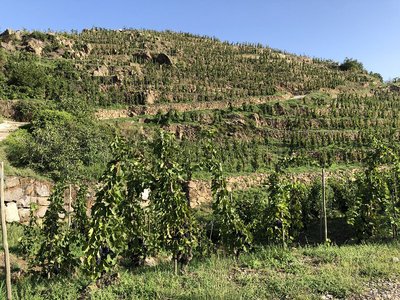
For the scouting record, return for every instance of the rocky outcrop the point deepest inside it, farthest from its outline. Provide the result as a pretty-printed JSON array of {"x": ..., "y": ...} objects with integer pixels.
[
  {"x": 104, "y": 114},
  {"x": 87, "y": 49},
  {"x": 101, "y": 71},
  {"x": 65, "y": 42},
  {"x": 35, "y": 46},
  {"x": 149, "y": 98},
  {"x": 7, "y": 46},
  {"x": 394, "y": 88},
  {"x": 10, "y": 35}
]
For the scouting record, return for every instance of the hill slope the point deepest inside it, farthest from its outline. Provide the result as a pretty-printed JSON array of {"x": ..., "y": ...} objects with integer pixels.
[{"x": 262, "y": 103}]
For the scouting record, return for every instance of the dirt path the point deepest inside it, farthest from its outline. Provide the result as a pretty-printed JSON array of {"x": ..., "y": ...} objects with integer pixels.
[
  {"x": 104, "y": 114},
  {"x": 9, "y": 126}
]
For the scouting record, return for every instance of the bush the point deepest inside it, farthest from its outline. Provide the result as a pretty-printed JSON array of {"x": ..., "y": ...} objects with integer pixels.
[
  {"x": 25, "y": 110},
  {"x": 350, "y": 64},
  {"x": 60, "y": 145}
]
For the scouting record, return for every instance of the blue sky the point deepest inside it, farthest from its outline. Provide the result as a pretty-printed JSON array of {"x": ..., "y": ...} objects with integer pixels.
[{"x": 368, "y": 30}]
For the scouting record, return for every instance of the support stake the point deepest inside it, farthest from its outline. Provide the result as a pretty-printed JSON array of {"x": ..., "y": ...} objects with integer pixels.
[{"x": 4, "y": 231}]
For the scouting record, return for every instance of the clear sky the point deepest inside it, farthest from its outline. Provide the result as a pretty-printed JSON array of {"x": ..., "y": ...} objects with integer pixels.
[{"x": 367, "y": 30}]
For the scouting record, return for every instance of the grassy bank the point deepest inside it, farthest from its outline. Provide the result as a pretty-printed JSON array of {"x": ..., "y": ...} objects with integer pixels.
[{"x": 266, "y": 273}]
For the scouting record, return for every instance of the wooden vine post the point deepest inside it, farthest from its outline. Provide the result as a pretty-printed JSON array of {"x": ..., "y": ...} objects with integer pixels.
[
  {"x": 323, "y": 216},
  {"x": 69, "y": 205},
  {"x": 4, "y": 231}
]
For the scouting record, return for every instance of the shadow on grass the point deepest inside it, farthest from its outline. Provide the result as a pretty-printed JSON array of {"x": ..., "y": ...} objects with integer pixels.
[{"x": 339, "y": 233}]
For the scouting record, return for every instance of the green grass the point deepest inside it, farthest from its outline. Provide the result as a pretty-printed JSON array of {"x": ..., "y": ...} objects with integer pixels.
[
  {"x": 10, "y": 170},
  {"x": 266, "y": 273}
]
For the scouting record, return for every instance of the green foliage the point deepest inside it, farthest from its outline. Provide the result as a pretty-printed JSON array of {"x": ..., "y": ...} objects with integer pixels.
[
  {"x": 118, "y": 222},
  {"x": 375, "y": 210},
  {"x": 234, "y": 234},
  {"x": 350, "y": 64},
  {"x": 298, "y": 194},
  {"x": 26, "y": 77},
  {"x": 31, "y": 239},
  {"x": 266, "y": 273},
  {"x": 27, "y": 110},
  {"x": 80, "y": 221},
  {"x": 175, "y": 225},
  {"x": 55, "y": 255},
  {"x": 277, "y": 214},
  {"x": 60, "y": 144},
  {"x": 107, "y": 235}
]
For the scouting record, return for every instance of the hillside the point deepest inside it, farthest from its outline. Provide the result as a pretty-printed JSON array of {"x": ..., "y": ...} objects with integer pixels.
[
  {"x": 262, "y": 103},
  {"x": 144, "y": 67},
  {"x": 162, "y": 165}
]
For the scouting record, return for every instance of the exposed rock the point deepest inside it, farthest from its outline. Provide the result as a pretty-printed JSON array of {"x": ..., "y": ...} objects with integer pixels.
[
  {"x": 14, "y": 194},
  {"x": 281, "y": 55},
  {"x": 12, "y": 212},
  {"x": 30, "y": 190},
  {"x": 43, "y": 201},
  {"x": 199, "y": 192},
  {"x": 12, "y": 182},
  {"x": 150, "y": 261},
  {"x": 104, "y": 114},
  {"x": 256, "y": 119},
  {"x": 67, "y": 43},
  {"x": 149, "y": 98},
  {"x": 394, "y": 88},
  {"x": 163, "y": 59},
  {"x": 42, "y": 189},
  {"x": 35, "y": 46},
  {"x": 41, "y": 211},
  {"x": 7, "y": 46},
  {"x": 9, "y": 35},
  {"x": 25, "y": 202},
  {"x": 24, "y": 215},
  {"x": 101, "y": 71},
  {"x": 143, "y": 56},
  {"x": 59, "y": 52},
  {"x": 87, "y": 48},
  {"x": 6, "y": 33}
]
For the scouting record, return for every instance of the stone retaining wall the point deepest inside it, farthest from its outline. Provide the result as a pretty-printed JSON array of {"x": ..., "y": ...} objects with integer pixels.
[{"x": 21, "y": 193}]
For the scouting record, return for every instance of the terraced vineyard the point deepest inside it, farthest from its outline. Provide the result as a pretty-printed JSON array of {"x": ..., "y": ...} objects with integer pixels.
[
  {"x": 253, "y": 136},
  {"x": 251, "y": 95},
  {"x": 225, "y": 140},
  {"x": 191, "y": 84}
]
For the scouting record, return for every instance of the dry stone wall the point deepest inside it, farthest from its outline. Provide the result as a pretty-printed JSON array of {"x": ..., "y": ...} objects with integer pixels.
[{"x": 22, "y": 193}]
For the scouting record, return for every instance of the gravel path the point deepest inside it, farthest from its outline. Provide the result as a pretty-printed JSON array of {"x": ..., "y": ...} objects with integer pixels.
[
  {"x": 379, "y": 290},
  {"x": 382, "y": 289},
  {"x": 9, "y": 126}
]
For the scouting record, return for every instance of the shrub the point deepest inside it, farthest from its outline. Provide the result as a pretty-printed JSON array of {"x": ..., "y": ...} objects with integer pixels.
[
  {"x": 350, "y": 64},
  {"x": 60, "y": 144},
  {"x": 25, "y": 110}
]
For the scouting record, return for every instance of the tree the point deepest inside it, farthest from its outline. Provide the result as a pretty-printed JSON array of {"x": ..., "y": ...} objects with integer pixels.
[{"x": 350, "y": 64}]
